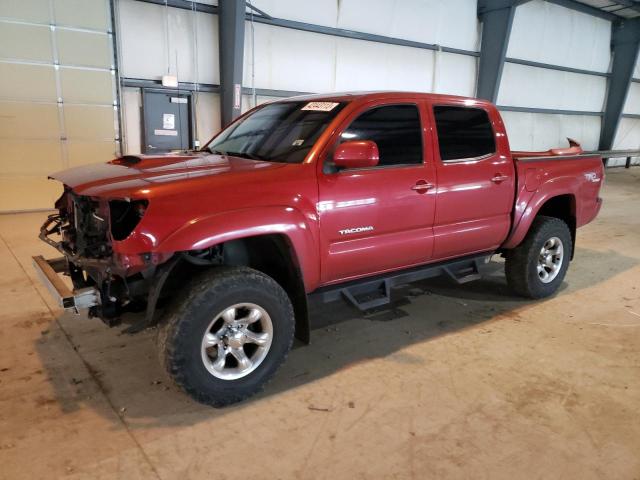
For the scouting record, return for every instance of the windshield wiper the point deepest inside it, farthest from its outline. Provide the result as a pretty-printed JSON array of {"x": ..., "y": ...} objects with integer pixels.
[{"x": 216, "y": 152}]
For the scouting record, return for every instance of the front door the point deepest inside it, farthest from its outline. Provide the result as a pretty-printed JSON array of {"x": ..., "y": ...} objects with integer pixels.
[
  {"x": 167, "y": 120},
  {"x": 378, "y": 219}
]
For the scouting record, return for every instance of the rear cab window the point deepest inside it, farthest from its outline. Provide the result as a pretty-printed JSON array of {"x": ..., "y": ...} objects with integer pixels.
[{"x": 464, "y": 133}]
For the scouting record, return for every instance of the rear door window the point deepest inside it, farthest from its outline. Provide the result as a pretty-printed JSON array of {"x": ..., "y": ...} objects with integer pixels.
[{"x": 463, "y": 132}]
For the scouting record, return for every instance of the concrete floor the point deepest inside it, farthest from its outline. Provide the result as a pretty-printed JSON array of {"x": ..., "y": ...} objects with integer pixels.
[{"x": 455, "y": 382}]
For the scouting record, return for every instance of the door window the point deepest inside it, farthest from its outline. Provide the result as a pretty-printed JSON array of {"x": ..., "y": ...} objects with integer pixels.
[
  {"x": 463, "y": 133},
  {"x": 394, "y": 128}
]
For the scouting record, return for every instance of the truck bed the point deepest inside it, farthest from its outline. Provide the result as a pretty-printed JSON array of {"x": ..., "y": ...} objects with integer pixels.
[{"x": 560, "y": 172}]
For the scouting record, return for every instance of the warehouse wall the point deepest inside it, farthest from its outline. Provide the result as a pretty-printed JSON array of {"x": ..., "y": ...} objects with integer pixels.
[
  {"x": 310, "y": 62},
  {"x": 155, "y": 40},
  {"x": 57, "y": 95},
  {"x": 547, "y": 33},
  {"x": 628, "y": 134},
  {"x": 58, "y": 85}
]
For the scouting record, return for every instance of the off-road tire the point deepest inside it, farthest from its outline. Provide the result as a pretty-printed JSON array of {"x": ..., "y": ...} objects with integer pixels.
[
  {"x": 180, "y": 334},
  {"x": 521, "y": 262}
]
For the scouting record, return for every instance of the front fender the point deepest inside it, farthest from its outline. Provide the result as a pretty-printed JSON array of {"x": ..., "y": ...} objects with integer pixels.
[
  {"x": 528, "y": 204},
  {"x": 204, "y": 232}
]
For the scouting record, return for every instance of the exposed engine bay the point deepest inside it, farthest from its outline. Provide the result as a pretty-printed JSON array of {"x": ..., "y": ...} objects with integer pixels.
[{"x": 85, "y": 229}]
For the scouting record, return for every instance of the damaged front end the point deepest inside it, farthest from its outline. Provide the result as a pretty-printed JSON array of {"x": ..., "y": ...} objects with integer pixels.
[{"x": 87, "y": 232}]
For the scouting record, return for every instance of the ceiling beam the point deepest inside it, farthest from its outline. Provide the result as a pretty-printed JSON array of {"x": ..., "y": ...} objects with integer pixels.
[
  {"x": 633, "y": 5},
  {"x": 625, "y": 45},
  {"x": 581, "y": 7},
  {"x": 496, "y": 17}
]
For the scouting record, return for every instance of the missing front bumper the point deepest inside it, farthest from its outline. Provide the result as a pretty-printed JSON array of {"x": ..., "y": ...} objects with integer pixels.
[{"x": 68, "y": 299}]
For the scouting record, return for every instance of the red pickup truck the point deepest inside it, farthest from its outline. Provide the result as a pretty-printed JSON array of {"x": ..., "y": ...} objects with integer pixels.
[{"x": 342, "y": 195}]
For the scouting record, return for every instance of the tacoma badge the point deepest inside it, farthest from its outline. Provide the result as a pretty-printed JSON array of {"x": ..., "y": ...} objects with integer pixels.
[{"x": 348, "y": 231}]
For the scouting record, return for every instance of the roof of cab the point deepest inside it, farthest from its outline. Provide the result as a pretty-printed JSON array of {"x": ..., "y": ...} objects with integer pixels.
[{"x": 377, "y": 95}]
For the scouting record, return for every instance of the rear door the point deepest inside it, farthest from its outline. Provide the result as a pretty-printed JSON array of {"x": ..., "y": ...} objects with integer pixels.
[
  {"x": 475, "y": 191},
  {"x": 380, "y": 218}
]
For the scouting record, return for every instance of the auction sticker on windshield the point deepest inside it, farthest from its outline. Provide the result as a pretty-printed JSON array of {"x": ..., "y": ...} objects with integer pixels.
[{"x": 320, "y": 106}]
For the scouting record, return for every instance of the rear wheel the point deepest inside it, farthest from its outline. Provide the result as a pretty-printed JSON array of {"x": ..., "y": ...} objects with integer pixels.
[
  {"x": 228, "y": 335},
  {"x": 536, "y": 267}
]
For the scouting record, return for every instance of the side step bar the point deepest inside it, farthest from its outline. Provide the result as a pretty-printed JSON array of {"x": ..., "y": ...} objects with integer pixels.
[
  {"x": 47, "y": 271},
  {"x": 376, "y": 291}
]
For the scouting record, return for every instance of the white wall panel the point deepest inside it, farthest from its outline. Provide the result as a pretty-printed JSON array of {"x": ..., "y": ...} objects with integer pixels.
[
  {"x": 207, "y": 108},
  {"x": 636, "y": 73},
  {"x": 632, "y": 104},
  {"x": 627, "y": 138},
  {"x": 525, "y": 86},
  {"x": 534, "y": 131},
  {"x": 375, "y": 66},
  {"x": 131, "y": 105},
  {"x": 207, "y": 49},
  {"x": 452, "y": 23},
  {"x": 289, "y": 59},
  {"x": 548, "y": 33},
  {"x": 148, "y": 52},
  {"x": 455, "y": 74},
  {"x": 142, "y": 40}
]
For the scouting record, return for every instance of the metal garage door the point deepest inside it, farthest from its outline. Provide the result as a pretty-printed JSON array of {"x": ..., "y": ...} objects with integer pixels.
[{"x": 58, "y": 100}]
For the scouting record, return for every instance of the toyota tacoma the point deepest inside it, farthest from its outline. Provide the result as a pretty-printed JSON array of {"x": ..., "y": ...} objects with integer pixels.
[{"x": 338, "y": 196}]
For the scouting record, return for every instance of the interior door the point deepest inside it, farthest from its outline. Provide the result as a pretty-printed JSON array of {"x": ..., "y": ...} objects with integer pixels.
[
  {"x": 476, "y": 189},
  {"x": 167, "y": 120},
  {"x": 380, "y": 218}
]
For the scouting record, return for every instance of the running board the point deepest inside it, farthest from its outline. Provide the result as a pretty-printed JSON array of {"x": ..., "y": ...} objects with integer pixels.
[{"x": 375, "y": 291}]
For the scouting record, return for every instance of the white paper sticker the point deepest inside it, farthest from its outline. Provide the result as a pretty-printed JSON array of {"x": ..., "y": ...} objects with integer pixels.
[
  {"x": 166, "y": 133},
  {"x": 320, "y": 106},
  {"x": 168, "y": 121}
]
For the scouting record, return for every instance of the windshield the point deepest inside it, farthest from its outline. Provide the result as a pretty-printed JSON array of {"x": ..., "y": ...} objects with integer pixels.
[{"x": 277, "y": 132}]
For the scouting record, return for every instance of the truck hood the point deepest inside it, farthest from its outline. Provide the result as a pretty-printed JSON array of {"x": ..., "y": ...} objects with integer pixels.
[{"x": 140, "y": 175}]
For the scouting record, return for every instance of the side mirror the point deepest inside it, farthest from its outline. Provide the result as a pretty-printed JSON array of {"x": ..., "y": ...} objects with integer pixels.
[{"x": 356, "y": 154}]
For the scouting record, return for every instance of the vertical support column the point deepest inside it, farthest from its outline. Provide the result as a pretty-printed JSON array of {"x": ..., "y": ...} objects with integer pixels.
[
  {"x": 231, "y": 40},
  {"x": 625, "y": 43},
  {"x": 497, "y": 18}
]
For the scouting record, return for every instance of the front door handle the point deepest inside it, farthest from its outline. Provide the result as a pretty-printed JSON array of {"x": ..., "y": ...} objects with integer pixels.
[
  {"x": 499, "y": 178},
  {"x": 422, "y": 186}
]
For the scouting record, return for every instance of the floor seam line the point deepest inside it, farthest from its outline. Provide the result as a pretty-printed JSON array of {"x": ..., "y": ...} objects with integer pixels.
[{"x": 86, "y": 364}]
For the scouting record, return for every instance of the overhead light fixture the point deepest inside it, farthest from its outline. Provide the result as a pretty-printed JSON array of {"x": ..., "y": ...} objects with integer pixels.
[{"x": 169, "y": 81}]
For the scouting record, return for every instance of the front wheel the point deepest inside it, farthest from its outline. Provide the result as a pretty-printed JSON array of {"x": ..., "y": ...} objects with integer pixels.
[
  {"x": 228, "y": 335},
  {"x": 536, "y": 267}
]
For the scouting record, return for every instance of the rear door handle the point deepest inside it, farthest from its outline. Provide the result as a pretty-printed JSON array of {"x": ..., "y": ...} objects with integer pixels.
[
  {"x": 499, "y": 178},
  {"x": 422, "y": 186}
]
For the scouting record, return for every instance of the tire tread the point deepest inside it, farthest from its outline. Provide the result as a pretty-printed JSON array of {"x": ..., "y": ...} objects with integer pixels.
[
  {"x": 213, "y": 283},
  {"x": 519, "y": 259}
]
